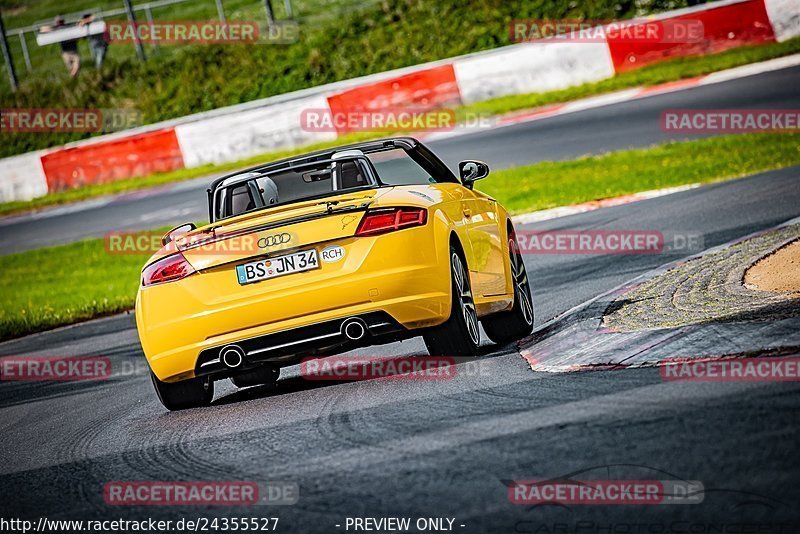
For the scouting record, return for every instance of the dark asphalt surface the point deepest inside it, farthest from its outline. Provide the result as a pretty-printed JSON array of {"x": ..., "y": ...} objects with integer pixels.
[
  {"x": 433, "y": 448},
  {"x": 613, "y": 127}
]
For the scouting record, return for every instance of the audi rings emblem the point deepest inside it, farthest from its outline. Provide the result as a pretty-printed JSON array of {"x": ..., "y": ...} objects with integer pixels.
[{"x": 274, "y": 240}]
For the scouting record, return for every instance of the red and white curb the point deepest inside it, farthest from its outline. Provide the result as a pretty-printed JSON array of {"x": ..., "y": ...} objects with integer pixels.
[
  {"x": 617, "y": 97},
  {"x": 577, "y": 341}
]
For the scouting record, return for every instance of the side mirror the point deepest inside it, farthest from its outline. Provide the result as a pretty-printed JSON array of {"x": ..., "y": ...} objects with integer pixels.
[
  {"x": 177, "y": 231},
  {"x": 472, "y": 170}
]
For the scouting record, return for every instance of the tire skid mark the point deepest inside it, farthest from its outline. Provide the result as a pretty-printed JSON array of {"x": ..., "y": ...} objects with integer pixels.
[
  {"x": 338, "y": 425},
  {"x": 180, "y": 456}
]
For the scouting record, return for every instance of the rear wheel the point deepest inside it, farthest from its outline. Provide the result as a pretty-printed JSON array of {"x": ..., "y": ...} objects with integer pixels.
[
  {"x": 460, "y": 334},
  {"x": 517, "y": 322},
  {"x": 192, "y": 393}
]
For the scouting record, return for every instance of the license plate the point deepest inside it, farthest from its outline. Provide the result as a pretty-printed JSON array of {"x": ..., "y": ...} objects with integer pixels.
[{"x": 257, "y": 271}]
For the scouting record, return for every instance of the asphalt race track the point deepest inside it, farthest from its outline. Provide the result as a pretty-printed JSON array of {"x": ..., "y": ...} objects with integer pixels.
[
  {"x": 613, "y": 127},
  {"x": 428, "y": 448},
  {"x": 440, "y": 448}
]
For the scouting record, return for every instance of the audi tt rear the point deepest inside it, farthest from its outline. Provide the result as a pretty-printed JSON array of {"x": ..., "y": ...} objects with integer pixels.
[{"x": 312, "y": 255}]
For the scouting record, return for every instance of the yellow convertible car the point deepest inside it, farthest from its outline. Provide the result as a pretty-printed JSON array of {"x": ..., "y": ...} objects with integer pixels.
[{"x": 358, "y": 245}]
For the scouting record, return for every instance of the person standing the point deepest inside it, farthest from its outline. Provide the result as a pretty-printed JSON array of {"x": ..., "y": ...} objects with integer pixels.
[
  {"x": 97, "y": 42},
  {"x": 69, "y": 48}
]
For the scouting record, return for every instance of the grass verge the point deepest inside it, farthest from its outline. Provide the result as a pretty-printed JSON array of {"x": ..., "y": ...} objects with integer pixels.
[
  {"x": 550, "y": 184},
  {"x": 55, "y": 286},
  {"x": 49, "y": 287},
  {"x": 673, "y": 70}
]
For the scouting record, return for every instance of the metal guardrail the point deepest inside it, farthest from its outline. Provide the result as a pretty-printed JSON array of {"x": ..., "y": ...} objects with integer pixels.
[
  {"x": 146, "y": 8},
  {"x": 334, "y": 9}
]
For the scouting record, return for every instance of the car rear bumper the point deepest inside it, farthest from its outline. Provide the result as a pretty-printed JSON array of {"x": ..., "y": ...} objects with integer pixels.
[
  {"x": 286, "y": 342},
  {"x": 288, "y": 346},
  {"x": 401, "y": 278}
]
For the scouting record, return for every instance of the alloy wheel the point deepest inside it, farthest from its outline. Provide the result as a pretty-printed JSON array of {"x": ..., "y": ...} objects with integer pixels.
[
  {"x": 465, "y": 299},
  {"x": 522, "y": 289}
]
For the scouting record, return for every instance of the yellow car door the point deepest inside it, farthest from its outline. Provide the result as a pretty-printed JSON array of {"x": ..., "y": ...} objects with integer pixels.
[{"x": 486, "y": 236}]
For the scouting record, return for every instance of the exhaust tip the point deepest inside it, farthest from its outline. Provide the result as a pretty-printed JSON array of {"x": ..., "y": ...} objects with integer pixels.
[
  {"x": 354, "y": 329},
  {"x": 232, "y": 356}
]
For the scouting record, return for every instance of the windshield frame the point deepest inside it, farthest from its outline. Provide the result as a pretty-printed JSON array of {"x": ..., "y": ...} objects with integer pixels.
[{"x": 418, "y": 152}]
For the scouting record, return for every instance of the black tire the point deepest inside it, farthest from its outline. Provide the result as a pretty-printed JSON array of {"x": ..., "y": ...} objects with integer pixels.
[
  {"x": 192, "y": 393},
  {"x": 264, "y": 374},
  {"x": 460, "y": 335},
  {"x": 516, "y": 323}
]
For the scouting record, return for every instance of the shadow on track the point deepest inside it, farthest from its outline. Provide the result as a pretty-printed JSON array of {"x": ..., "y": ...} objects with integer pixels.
[{"x": 296, "y": 383}]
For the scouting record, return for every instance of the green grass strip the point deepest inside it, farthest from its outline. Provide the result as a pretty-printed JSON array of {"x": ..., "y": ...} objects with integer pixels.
[{"x": 550, "y": 184}]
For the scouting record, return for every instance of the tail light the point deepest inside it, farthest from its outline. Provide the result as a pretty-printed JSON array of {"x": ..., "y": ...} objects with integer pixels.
[
  {"x": 391, "y": 219},
  {"x": 167, "y": 269}
]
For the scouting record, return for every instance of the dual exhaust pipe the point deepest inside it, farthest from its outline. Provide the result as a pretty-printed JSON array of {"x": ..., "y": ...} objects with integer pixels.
[
  {"x": 233, "y": 356},
  {"x": 354, "y": 328}
]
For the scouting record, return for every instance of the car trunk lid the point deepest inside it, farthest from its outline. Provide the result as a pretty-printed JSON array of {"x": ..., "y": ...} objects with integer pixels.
[{"x": 282, "y": 228}]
